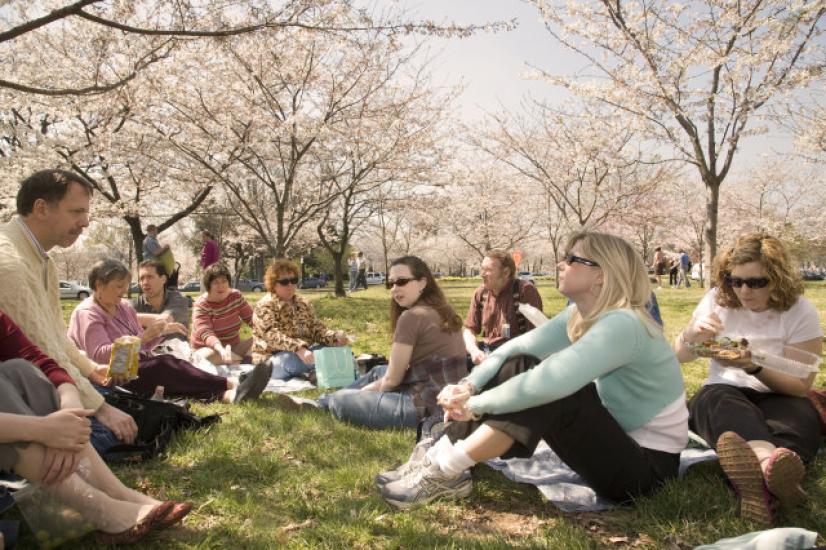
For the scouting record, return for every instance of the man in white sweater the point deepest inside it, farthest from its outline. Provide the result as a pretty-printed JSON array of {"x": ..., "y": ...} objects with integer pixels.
[{"x": 53, "y": 210}]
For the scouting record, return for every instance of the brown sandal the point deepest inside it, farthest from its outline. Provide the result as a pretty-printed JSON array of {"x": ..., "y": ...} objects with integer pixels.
[
  {"x": 139, "y": 530},
  {"x": 178, "y": 512}
]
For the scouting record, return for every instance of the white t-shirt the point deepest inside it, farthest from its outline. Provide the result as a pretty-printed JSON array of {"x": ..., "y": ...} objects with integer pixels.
[{"x": 771, "y": 328}]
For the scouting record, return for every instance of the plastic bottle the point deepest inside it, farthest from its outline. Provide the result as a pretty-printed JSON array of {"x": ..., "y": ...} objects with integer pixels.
[
  {"x": 158, "y": 395},
  {"x": 506, "y": 330}
]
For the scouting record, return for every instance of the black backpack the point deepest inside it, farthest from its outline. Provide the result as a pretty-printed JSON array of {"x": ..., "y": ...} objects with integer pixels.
[{"x": 157, "y": 422}]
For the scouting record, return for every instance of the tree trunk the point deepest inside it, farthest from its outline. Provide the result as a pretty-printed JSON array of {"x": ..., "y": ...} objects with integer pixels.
[
  {"x": 338, "y": 273},
  {"x": 712, "y": 205},
  {"x": 134, "y": 223}
]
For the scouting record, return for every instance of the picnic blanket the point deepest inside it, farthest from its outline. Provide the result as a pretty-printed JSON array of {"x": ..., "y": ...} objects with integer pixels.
[
  {"x": 787, "y": 538},
  {"x": 563, "y": 487}
]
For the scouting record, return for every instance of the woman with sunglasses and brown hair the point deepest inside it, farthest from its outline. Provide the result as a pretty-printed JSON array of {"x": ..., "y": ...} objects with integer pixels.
[
  {"x": 285, "y": 328},
  {"x": 598, "y": 382},
  {"x": 759, "y": 420},
  {"x": 426, "y": 354}
]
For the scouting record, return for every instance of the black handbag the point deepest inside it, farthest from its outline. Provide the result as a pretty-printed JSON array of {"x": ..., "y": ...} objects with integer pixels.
[{"x": 157, "y": 422}]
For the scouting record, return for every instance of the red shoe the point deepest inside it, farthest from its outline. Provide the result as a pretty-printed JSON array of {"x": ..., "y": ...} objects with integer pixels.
[
  {"x": 743, "y": 470},
  {"x": 139, "y": 530},
  {"x": 784, "y": 472},
  {"x": 178, "y": 512}
]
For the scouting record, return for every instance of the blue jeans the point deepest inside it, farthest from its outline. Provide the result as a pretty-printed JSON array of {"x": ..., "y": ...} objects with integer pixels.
[
  {"x": 286, "y": 365},
  {"x": 353, "y": 273},
  {"x": 375, "y": 409},
  {"x": 102, "y": 439}
]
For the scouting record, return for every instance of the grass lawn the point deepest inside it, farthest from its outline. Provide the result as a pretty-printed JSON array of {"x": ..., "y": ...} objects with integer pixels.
[{"x": 266, "y": 479}]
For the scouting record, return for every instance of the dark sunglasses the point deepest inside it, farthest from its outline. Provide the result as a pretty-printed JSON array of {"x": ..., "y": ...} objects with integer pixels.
[
  {"x": 571, "y": 259},
  {"x": 757, "y": 282},
  {"x": 401, "y": 281},
  {"x": 285, "y": 282}
]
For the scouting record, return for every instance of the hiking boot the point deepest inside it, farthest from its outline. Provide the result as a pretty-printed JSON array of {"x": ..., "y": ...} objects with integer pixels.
[
  {"x": 252, "y": 383},
  {"x": 784, "y": 472},
  {"x": 412, "y": 463},
  {"x": 743, "y": 471},
  {"x": 424, "y": 484}
]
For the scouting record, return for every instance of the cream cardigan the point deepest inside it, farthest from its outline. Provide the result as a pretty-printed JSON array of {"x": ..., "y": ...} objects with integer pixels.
[{"x": 31, "y": 297}]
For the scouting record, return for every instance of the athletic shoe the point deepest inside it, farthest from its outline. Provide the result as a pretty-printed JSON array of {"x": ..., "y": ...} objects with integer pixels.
[
  {"x": 424, "y": 484},
  {"x": 784, "y": 472},
  {"x": 252, "y": 383},
  {"x": 743, "y": 470},
  {"x": 405, "y": 469}
]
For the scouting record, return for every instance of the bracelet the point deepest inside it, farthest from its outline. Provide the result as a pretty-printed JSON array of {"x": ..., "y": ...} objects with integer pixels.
[{"x": 754, "y": 372}]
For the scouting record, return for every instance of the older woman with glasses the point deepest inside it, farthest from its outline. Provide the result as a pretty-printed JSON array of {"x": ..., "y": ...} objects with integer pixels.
[
  {"x": 759, "y": 420},
  {"x": 598, "y": 382},
  {"x": 285, "y": 327}
]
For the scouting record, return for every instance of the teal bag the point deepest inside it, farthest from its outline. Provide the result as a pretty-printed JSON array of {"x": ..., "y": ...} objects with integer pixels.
[{"x": 334, "y": 367}]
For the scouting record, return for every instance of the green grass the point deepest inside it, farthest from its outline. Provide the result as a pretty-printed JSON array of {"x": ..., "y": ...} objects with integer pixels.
[{"x": 264, "y": 478}]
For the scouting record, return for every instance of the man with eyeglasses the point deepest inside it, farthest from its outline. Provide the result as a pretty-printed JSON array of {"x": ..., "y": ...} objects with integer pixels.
[{"x": 493, "y": 312}]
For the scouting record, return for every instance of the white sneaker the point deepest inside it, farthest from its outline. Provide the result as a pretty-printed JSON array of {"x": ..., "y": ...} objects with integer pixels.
[{"x": 424, "y": 484}]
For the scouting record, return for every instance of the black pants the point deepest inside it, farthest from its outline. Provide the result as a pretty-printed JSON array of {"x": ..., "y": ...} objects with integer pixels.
[
  {"x": 783, "y": 420},
  {"x": 672, "y": 276},
  {"x": 582, "y": 433}
]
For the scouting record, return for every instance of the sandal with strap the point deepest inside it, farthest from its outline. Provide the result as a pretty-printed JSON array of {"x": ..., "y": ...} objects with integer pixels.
[
  {"x": 743, "y": 470},
  {"x": 784, "y": 472},
  {"x": 139, "y": 530}
]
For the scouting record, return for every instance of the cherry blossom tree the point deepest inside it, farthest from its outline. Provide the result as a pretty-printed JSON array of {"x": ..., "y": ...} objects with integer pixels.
[{"x": 695, "y": 73}]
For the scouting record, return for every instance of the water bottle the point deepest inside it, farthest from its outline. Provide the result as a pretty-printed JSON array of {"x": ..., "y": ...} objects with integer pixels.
[
  {"x": 158, "y": 395},
  {"x": 506, "y": 331}
]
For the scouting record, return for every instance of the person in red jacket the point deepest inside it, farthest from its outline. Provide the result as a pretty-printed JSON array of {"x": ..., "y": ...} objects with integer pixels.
[{"x": 49, "y": 445}]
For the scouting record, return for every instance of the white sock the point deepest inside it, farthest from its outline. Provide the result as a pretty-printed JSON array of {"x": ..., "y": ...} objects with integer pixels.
[{"x": 451, "y": 459}]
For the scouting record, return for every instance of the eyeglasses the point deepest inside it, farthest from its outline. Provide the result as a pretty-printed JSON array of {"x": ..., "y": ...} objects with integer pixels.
[
  {"x": 756, "y": 282},
  {"x": 401, "y": 281},
  {"x": 571, "y": 259},
  {"x": 285, "y": 282}
]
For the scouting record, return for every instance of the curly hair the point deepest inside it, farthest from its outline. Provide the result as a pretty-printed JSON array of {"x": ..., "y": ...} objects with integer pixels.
[
  {"x": 278, "y": 265},
  {"x": 784, "y": 281},
  {"x": 432, "y": 295}
]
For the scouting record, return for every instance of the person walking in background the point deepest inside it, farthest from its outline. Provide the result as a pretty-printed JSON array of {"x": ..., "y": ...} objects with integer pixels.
[
  {"x": 361, "y": 265},
  {"x": 152, "y": 248},
  {"x": 684, "y": 267},
  {"x": 209, "y": 252},
  {"x": 352, "y": 271},
  {"x": 658, "y": 265},
  {"x": 673, "y": 273}
]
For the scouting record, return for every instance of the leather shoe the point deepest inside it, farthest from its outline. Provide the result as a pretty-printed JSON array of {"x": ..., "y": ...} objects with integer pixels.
[
  {"x": 139, "y": 530},
  {"x": 178, "y": 512}
]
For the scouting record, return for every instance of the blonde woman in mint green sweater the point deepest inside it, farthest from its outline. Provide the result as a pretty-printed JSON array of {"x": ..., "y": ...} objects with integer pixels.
[{"x": 598, "y": 382}]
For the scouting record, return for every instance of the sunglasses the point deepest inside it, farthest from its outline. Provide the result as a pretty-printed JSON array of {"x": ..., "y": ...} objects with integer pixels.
[
  {"x": 285, "y": 282},
  {"x": 571, "y": 259},
  {"x": 401, "y": 281},
  {"x": 757, "y": 282}
]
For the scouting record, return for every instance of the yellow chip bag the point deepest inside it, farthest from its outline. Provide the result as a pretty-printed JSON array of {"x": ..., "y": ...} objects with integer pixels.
[{"x": 124, "y": 358}]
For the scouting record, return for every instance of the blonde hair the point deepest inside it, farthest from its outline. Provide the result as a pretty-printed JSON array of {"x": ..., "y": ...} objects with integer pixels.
[{"x": 625, "y": 281}]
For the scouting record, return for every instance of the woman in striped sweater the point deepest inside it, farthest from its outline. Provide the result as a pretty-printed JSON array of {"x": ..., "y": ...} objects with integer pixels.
[{"x": 216, "y": 319}]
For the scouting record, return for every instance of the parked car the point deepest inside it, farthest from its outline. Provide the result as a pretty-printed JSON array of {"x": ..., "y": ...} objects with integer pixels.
[
  {"x": 375, "y": 277},
  {"x": 526, "y": 276},
  {"x": 810, "y": 275},
  {"x": 313, "y": 282},
  {"x": 191, "y": 286},
  {"x": 250, "y": 285},
  {"x": 72, "y": 290}
]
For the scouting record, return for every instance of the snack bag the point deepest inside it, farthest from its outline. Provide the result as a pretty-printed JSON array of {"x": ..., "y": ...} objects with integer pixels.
[{"x": 124, "y": 358}]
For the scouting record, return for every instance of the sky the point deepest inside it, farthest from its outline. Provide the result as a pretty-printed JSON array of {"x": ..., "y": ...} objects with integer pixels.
[{"x": 491, "y": 65}]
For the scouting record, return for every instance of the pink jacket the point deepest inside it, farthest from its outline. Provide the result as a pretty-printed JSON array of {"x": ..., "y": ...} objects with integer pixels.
[{"x": 94, "y": 330}]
